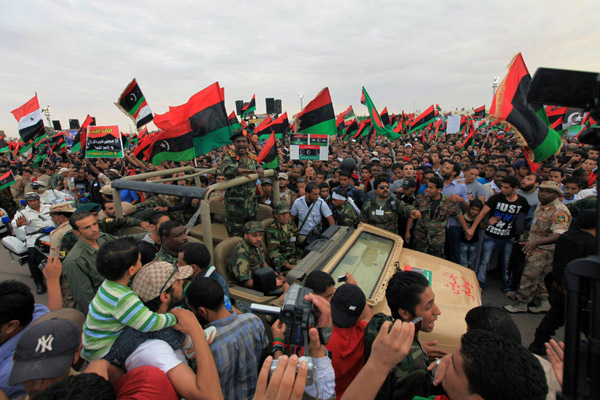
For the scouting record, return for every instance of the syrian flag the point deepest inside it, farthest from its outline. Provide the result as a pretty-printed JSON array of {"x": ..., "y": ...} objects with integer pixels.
[
  {"x": 423, "y": 119},
  {"x": 318, "y": 116},
  {"x": 6, "y": 180},
  {"x": 173, "y": 144},
  {"x": 378, "y": 123},
  {"x": 208, "y": 119},
  {"x": 81, "y": 135},
  {"x": 479, "y": 112},
  {"x": 30, "y": 121},
  {"x": 133, "y": 103},
  {"x": 250, "y": 107},
  {"x": 510, "y": 105},
  {"x": 268, "y": 155}
]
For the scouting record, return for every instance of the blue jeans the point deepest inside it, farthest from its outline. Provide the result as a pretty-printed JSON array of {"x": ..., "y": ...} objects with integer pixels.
[
  {"x": 453, "y": 235},
  {"x": 130, "y": 339},
  {"x": 468, "y": 254},
  {"x": 505, "y": 247}
]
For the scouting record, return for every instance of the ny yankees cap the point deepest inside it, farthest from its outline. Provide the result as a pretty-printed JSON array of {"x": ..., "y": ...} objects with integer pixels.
[
  {"x": 347, "y": 304},
  {"x": 45, "y": 351}
]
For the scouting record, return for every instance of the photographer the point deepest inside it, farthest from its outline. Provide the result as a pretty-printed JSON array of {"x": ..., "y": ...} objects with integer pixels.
[{"x": 324, "y": 376}]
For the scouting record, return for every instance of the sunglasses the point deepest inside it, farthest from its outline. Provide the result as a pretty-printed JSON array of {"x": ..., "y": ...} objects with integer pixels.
[
  {"x": 383, "y": 187},
  {"x": 175, "y": 269}
]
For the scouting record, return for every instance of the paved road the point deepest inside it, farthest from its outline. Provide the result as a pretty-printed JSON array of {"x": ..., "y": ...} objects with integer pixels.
[{"x": 492, "y": 295}]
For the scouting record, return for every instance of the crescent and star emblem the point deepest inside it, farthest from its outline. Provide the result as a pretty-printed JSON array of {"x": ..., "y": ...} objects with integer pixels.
[{"x": 164, "y": 145}]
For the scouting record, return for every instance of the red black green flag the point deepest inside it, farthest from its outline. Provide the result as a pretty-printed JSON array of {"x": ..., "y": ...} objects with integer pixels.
[
  {"x": 378, "y": 123},
  {"x": 208, "y": 119},
  {"x": 362, "y": 129},
  {"x": 80, "y": 137},
  {"x": 555, "y": 117},
  {"x": 351, "y": 129},
  {"x": 6, "y": 180},
  {"x": 510, "y": 105},
  {"x": 318, "y": 116},
  {"x": 143, "y": 147},
  {"x": 250, "y": 107},
  {"x": 268, "y": 155},
  {"x": 133, "y": 103},
  {"x": 280, "y": 126},
  {"x": 173, "y": 144},
  {"x": 261, "y": 129},
  {"x": 479, "y": 112},
  {"x": 3, "y": 146},
  {"x": 469, "y": 136},
  {"x": 343, "y": 117},
  {"x": 385, "y": 118},
  {"x": 423, "y": 119},
  {"x": 234, "y": 124}
]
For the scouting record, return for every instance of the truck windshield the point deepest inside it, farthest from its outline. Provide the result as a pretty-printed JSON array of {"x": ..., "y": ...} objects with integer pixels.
[{"x": 365, "y": 260}]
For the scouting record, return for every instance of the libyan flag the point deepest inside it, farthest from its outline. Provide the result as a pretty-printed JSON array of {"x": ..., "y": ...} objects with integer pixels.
[
  {"x": 378, "y": 124},
  {"x": 207, "y": 116},
  {"x": 133, "y": 103},
  {"x": 234, "y": 124},
  {"x": 268, "y": 155},
  {"x": 81, "y": 135},
  {"x": 280, "y": 126},
  {"x": 173, "y": 144},
  {"x": 250, "y": 107},
  {"x": 423, "y": 119},
  {"x": 3, "y": 146},
  {"x": 7, "y": 180},
  {"x": 318, "y": 116},
  {"x": 510, "y": 105}
]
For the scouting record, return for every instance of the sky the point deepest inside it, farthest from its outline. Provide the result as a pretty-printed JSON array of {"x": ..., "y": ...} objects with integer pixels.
[{"x": 80, "y": 55}]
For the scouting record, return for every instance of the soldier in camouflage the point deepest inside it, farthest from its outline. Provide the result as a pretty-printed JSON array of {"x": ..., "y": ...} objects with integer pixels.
[
  {"x": 281, "y": 238},
  {"x": 248, "y": 255},
  {"x": 344, "y": 213},
  {"x": 550, "y": 219},
  {"x": 429, "y": 234},
  {"x": 382, "y": 211},
  {"x": 240, "y": 201},
  {"x": 409, "y": 296}
]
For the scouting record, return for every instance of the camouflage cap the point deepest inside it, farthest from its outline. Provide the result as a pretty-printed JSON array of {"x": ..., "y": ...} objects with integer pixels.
[
  {"x": 156, "y": 277},
  {"x": 65, "y": 207},
  {"x": 253, "y": 226},
  {"x": 551, "y": 185},
  {"x": 266, "y": 181},
  {"x": 281, "y": 208}
]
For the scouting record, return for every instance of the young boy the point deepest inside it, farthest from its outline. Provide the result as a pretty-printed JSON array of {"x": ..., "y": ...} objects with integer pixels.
[
  {"x": 468, "y": 247},
  {"x": 572, "y": 187},
  {"x": 115, "y": 306}
]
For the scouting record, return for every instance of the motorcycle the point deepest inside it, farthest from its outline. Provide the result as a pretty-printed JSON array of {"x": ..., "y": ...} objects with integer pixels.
[
  {"x": 4, "y": 222},
  {"x": 17, "y": 245}
]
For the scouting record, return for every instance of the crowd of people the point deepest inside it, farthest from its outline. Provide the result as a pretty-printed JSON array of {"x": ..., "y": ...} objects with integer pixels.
[{"x": 147, "y": 315}]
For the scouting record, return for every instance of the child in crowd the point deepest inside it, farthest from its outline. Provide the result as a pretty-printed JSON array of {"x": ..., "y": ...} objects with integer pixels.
[
  {"x": 572, "y": 187},
  {"x": 468, "y": 247}
]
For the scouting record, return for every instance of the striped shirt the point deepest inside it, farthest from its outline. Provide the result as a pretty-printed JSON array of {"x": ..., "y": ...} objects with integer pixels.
[{"x": 113, "y": 308}]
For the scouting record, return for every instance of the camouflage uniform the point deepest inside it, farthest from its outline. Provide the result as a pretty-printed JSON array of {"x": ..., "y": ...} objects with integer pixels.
[
  {"x": 429, "y": 234},
  {"x": 288, "y": 196},
  {"x": 408, "y": 378},
  {"x": 162, "y": 255},
  {"x": 7, "y": 202},
  {"x": 548, "y": 219},
  {"x": 385, "y": 217},
  {"x": 240, "y": 201},
  {"x": 346, "y": 215},
  {"x": 281, "y": 242},
  {"x": 56, "y": 237},
  {"x": 244, "y": 260}
]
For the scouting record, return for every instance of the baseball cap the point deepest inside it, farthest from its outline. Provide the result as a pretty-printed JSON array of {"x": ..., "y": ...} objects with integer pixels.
[
  {"x": 65, "y": 207},
  {"x": 409, "y": 183},
  {"x": 347, "y": 305},
  {"x": 157, "y": 276},
  {"x": 63, "y": 170},
  {"x": 266, "y": 181},
  {"x": 31, "y": 196},
  {"x": 252, "y": 227},
  {"x": 107, "y": 190},
  {"x": 45, "y": 351},
  {"x": 283, "y": 175},
  {"x": 281, "y": 208},
  {"x": 552, "y": 186}
]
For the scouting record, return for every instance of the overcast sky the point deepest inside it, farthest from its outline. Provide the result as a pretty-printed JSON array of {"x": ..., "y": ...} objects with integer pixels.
[{"x": 79, "y": 56}]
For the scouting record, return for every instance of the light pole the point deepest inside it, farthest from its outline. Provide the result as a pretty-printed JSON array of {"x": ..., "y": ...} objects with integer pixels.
[
  {"x": 46, "y": 111},
  {"x": 495, "y": 84},
  {"x": 300, "y": 96}
]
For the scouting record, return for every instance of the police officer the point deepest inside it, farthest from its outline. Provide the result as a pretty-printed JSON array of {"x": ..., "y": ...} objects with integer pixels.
[
  {"x": 382, "y": 210},
  {"x": 429, "y": 234},
  {"x": 281, "y": 238},
  {"x": 33, "y": 219},
  {"x": 550, "y": 219},
  {"x": 345, "y": 213},
  {"x": 240, "y": 201}
]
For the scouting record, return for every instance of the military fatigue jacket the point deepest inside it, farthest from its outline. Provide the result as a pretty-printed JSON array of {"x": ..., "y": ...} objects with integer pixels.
[
  {"x": 385, "y": 217},
  {"x": 243, "y": 193},
  {"x": 346, "y": 216},
  {"x": 162, "y": 255},
  {"x": 409, "y": 377},
  {"x": 281, "y": 242},
  {"x": 446, "y": 208},
  {"x": 244, "y": 260},
  {"x": 549, "y": 219}
]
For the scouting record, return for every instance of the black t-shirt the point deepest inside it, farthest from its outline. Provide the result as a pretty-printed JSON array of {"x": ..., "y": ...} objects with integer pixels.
[{"x": 512, "y": 216}]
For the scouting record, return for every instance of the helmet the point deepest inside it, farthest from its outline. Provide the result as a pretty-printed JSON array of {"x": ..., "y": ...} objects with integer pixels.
[{"x": 31, "y": 196}]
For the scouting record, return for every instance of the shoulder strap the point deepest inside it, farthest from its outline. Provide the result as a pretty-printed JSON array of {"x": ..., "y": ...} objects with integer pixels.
[{"x": 306, "y": 216}]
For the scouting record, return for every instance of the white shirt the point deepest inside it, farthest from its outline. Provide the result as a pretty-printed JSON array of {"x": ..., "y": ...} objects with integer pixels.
[
  {"x": 35, "y": 221},
  {"x": 586, "y": 193},
  {"x": 319, "y": 211},
  {"x": 52, "y": 196},
  {"x": 155, "y": 353}
]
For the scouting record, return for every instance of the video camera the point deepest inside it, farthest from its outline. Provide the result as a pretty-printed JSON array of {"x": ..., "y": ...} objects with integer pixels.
[{"x": 297, "y": 315}]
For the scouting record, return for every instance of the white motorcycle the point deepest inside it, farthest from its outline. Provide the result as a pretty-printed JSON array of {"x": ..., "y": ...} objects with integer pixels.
[
  {"x": 4, "y": 222},
  {"x": 17, "y": 245}
]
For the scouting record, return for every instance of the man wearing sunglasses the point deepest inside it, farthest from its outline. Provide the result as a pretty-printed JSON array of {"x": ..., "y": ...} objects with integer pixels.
[{"x": 383, "y": 211}]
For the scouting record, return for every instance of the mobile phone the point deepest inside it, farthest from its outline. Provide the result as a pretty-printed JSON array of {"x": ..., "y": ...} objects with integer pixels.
[
  {"x": 417, "y": 322},
  {"x": 342, "y": 278}
]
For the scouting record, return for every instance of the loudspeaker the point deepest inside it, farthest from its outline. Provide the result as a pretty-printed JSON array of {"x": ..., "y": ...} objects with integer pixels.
[
  {"x": 239, "y": 104},
  {"x": 56, "y": 125},
  {"x": 73, "y": 124},
  {"x": 270, "y": 106},
  {"x": 93, "y": 123},
  {"x": 277, "y": 106}
]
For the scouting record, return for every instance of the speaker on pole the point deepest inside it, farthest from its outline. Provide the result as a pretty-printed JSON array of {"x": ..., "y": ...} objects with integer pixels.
[
  {"x": 56, "y": 125},
  {"x": 239, "y": 104},
  {"x": 277, "y": 106},
  {"x": 270, "y": 105},
  {"x": 73, "y": 124}
]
